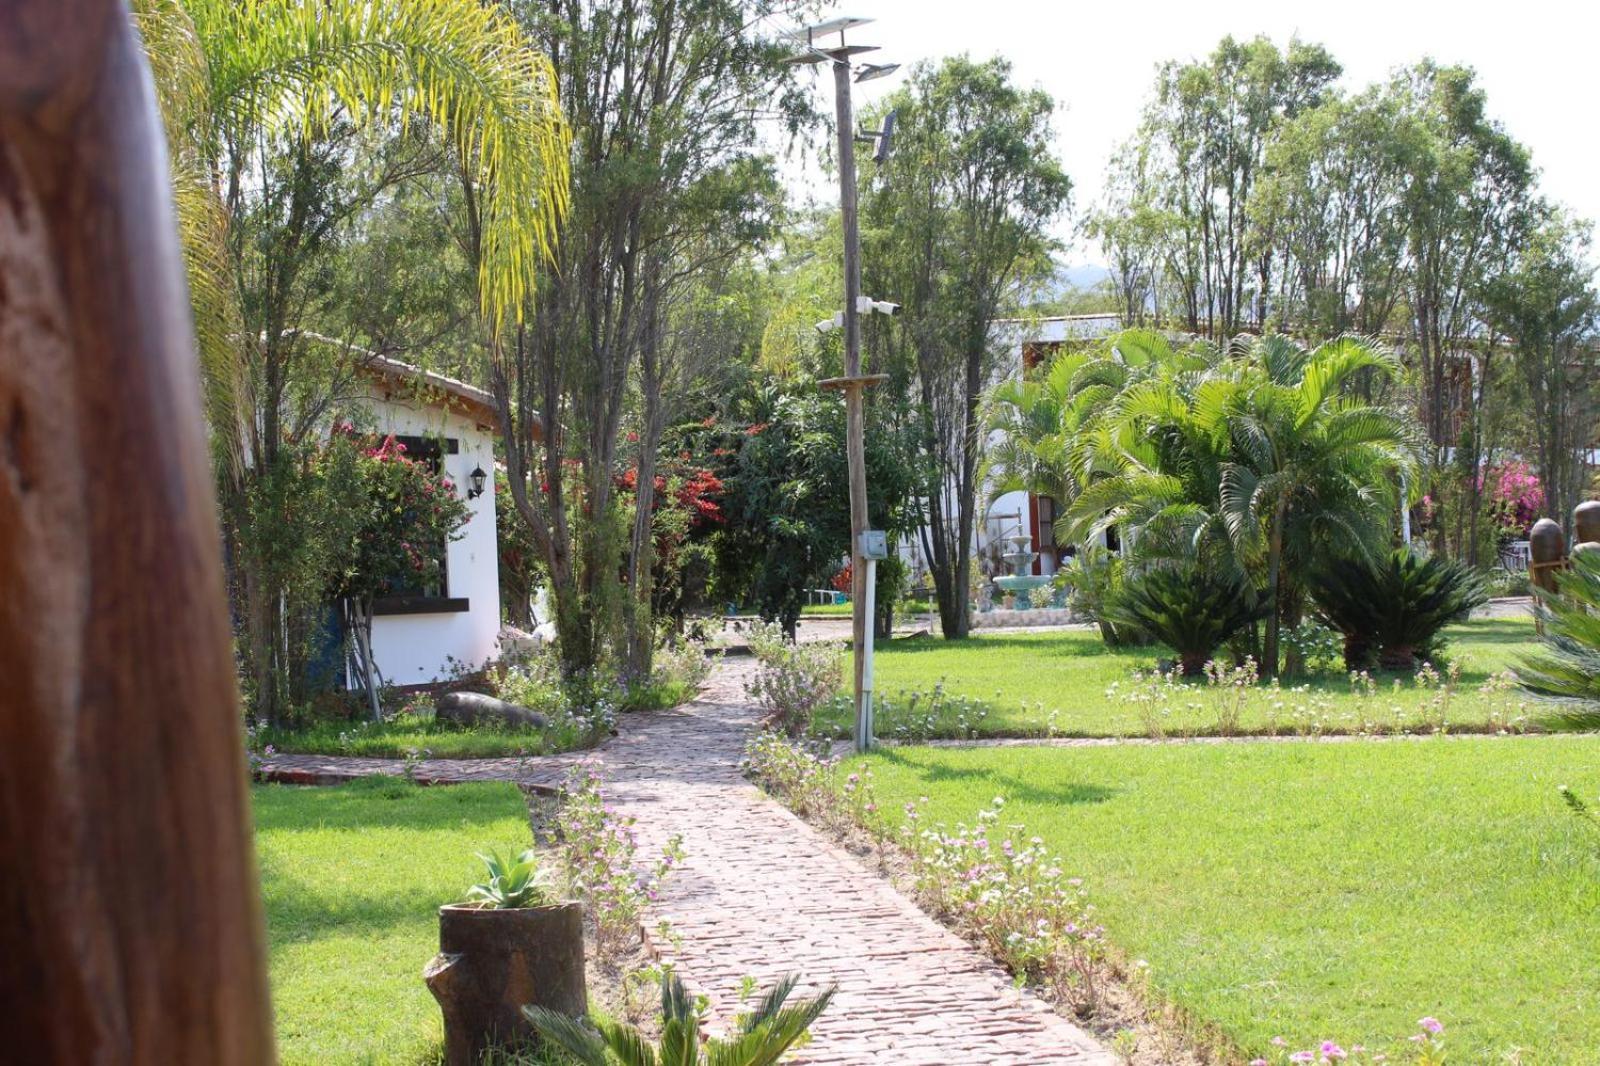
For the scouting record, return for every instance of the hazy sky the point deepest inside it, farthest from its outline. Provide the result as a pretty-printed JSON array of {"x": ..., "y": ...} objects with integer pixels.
[{"x": 1538, "y": 60}]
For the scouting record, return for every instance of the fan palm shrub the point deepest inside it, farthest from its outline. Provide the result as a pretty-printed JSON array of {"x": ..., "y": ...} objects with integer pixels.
[
  {"x": 1250, "y": 463},
  {"x": 1392, "y": 610},
  {"x": 1191, "y": 610},
  {"x": 1568, "y": 667},
  {"x": 760, "y": 1038}
]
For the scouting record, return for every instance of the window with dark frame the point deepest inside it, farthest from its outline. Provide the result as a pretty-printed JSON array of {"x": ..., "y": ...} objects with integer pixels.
[{"x": 434, "y": 597}]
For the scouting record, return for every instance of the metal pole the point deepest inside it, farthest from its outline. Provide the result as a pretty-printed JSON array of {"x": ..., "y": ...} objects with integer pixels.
[
  {"x": 855, "y": 413},
  {"x": 1405, "y": 514},
  {"x": 864, "y": 740}
]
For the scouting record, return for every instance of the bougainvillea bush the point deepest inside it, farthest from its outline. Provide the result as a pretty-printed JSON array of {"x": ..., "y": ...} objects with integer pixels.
[
  {"x": 403, "y": 514},
  {"x": 1513, "y": 498},
  {"x": 398, "y": 515}
]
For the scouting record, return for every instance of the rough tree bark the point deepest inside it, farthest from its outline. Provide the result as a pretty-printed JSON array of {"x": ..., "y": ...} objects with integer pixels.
[
  {"x": 492, "y": 963},
  {"x": 131, "y": 928}
]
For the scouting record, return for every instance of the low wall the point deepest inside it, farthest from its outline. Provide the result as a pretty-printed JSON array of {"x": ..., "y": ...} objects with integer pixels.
[{"x": 1034, "y": 616}]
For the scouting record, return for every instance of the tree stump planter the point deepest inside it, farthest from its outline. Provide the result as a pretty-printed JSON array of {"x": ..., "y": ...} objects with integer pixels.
[{"x": 493, "y": 962}]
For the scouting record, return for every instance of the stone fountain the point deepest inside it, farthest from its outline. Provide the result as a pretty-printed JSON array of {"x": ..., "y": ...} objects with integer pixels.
[{"x": 1019, "y": 581}]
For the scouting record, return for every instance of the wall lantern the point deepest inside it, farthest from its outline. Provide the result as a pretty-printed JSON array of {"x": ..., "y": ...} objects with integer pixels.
[{"x": 478, "y": 478}]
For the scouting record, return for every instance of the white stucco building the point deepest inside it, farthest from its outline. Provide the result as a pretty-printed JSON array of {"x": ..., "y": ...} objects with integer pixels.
[{"x": 422, "y": 637}]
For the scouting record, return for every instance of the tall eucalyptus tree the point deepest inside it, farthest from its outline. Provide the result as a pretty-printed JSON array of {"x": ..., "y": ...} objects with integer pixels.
[
  {"x": 957, "y": 220},
  {"x": 664, "y": 98}
]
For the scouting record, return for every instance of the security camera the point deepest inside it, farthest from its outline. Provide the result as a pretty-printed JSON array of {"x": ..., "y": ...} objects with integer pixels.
[
  {"x": 867, "y": 305},
  {"x": 828, "y": 325}
]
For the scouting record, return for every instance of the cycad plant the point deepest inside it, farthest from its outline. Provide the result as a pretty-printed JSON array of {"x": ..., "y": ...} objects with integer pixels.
[
  {"x": 1192, "y": 611},
  {"x": 1568, "y": 669},
  {"x": 760, "y": 1038},
  {"x": 1391, "y": 610},
  {"x": 1250, "y": 463}
]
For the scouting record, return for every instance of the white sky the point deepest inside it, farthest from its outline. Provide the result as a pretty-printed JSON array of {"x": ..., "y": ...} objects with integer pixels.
[{"x": 1538, "y": 60}]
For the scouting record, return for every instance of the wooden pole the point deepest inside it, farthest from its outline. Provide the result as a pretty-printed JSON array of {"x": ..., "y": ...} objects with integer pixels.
[
  {"x": 130, "y": 925},
  {"x": 855, "y": 398}
]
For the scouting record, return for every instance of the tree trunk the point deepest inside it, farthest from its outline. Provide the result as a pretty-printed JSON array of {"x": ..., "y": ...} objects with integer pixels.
[
  {"x": 492, "y": 963},
  {"x": 132, "y": 927},
  {"x": 1269, "y": 654}
]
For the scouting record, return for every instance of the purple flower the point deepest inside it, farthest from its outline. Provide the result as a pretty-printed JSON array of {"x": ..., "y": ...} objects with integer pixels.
[
  {"x": 1332, "y": 1051},
  {"x": 1303, "y": 1056},
  {"x": 1431, "y": 1024},
  {"x": 1258, "y": 1062}
]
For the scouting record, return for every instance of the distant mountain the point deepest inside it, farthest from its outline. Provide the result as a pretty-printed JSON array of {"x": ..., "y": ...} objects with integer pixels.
[{"x": 1082, "y": 277}]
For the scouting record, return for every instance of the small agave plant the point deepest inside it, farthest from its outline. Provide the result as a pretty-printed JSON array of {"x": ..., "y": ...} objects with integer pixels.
[
  {"x": 512, "y": 884},
  {"x": 760, "y": 1038}
]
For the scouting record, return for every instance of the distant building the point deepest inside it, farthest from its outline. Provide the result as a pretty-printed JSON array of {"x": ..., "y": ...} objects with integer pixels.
[
  {"x": 419, "y": 635},
  {"x": 1027, "y": 342}
]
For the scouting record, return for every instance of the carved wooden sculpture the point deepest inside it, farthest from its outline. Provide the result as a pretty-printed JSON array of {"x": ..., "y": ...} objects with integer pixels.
[{"x": 130, "y": 928}]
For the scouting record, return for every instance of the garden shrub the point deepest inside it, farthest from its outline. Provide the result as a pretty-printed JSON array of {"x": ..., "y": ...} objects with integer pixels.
[
  {"x": 1193, "y": 611},
  {"x": 1568, "y": 667},
  {"x": 757, "y": 1038},
  {"x": 792, "y": 680},
  {"x": 1091, "y": 579},
  {"x": 1391, "y": 611},
  {"x": 596, "y": 849},
  {"x": 1315, "y": 647}
]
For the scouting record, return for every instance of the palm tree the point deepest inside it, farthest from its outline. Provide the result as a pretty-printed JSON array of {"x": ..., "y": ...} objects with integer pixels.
[
  {"x": 1311, "y": 463},
  {"x": 1050, "y": 431},
  {"x": 1240, "y": 460},
  {"x": 255, "y": 96},
  {"x": 760, "y": 1038},
  {"x": 233, "y": 74}
]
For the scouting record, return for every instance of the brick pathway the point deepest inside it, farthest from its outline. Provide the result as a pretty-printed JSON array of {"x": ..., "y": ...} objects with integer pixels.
[{"x": 760, "y": 893}]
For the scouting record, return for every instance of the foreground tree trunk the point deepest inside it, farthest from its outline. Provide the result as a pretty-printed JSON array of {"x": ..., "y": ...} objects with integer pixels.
[{"x": 130, "y": 923}]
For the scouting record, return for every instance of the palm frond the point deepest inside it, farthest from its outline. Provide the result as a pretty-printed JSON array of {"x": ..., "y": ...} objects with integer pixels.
[{"x": 570, "y": 1035}]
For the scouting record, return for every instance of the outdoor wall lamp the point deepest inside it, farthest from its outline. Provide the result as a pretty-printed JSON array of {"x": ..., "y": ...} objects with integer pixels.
[{"x": 477, "y": 479}]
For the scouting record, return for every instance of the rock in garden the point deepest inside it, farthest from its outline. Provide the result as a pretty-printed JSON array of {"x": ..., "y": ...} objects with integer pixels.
[{"x": 474, "y": 708}]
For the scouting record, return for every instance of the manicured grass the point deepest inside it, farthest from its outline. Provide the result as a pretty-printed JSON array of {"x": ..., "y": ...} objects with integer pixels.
[
  {"x": 1034, "y": 684},
  {"x": 1313, "y": 891},
  {"x": 394, "y": 738},
  {"x": 845, "y": 610},
  {"x": 827, "y": 610},
  {"x": 353, "y": 877}
]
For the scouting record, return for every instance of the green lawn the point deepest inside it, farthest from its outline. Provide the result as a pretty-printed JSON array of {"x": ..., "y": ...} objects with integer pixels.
[
  {"x": 1313, "y": 891},
  {"x": 394, "y": 737},
  {"x": 1033, "y": 684},
  {"x": 907, "y": 609},
  {"x": 353, "y": 877}
]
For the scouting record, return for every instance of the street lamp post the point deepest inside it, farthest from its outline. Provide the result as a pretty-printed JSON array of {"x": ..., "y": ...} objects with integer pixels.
[{"x": 853, "y": 384}]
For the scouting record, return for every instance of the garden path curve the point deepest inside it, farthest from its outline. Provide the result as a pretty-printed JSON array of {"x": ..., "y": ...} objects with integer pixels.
[{"x": 760, "y": 893}]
